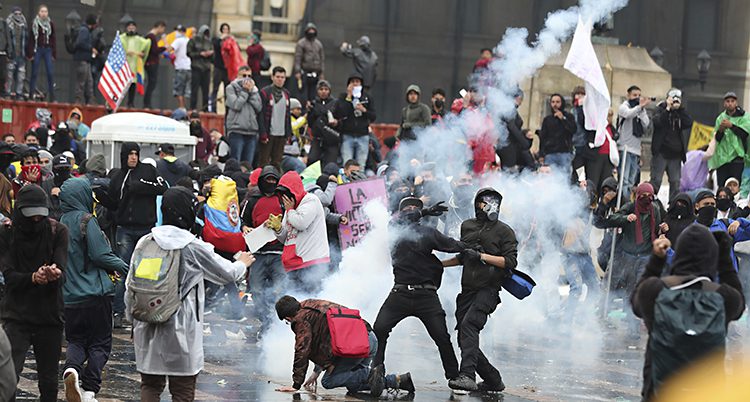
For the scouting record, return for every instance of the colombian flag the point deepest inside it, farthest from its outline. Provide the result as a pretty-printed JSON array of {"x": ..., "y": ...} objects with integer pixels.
[
  {"x": 139, "y": 76},
  {"x": 222, "y": 217}
]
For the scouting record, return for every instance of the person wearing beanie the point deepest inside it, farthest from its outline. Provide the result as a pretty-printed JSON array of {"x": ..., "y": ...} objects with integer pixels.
[
  {"x": 326, "y": 140},
  {"x": 174, "y": 349},
  {"x": 353, "y": 114},
  {"x": 699, "y": 254},
  {"x": 34, "y": 259},
  {"x": 299, "y": 123}
]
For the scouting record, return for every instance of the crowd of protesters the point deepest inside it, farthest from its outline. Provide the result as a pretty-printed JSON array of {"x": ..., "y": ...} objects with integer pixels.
[{"x": 82, "y": 246}]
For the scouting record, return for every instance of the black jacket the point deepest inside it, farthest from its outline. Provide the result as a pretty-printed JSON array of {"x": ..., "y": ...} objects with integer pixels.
[
  {"x": 674, "y": 123},
  {"x": 556, "y": 135},
  {"x": 494, "y": 238},
  {"x": 349, "y": 123},
  {"x": 412, "y": 258},
  {"x": 25, "y": 302},
  {"x": 318, "y": 120},
  {"x": 132, "y": 192}
]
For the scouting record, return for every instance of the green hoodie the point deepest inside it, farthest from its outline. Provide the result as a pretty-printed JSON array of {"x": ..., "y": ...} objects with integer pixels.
[
  {"x": 88, "y": 265},
  {"x": 730, "y": 146},
  {"x": 413, "y": 115}
]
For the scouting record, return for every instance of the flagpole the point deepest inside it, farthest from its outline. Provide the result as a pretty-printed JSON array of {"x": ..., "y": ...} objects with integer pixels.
[{"x": 610, "y": 263}]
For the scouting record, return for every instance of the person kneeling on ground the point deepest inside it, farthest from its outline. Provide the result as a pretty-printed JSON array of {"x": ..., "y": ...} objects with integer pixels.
[{"x": 313, "y": 343}]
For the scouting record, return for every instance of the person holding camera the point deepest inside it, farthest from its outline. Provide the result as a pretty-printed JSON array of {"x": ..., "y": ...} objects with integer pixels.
[
  {"x": 242, "y": 119},
  {"x": 670, "y": 141},
  {"x": 631, "y": 123},
  {"x": 325, "y": 140}
]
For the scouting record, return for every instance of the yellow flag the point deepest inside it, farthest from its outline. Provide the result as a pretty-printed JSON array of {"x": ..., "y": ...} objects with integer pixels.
[{"x": 700, "y": 135}]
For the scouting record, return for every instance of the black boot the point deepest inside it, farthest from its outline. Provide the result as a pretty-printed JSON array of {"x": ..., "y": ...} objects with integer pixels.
[
  {"x": 463, "y": 383},
  {"x": 404, "y": 383},
  {"x": 486, "y": 386},
  {"x": 376, "y": 379}
]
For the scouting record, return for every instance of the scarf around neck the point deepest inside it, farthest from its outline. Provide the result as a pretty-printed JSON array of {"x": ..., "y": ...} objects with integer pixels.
[
  {"x": 16, "y": 22},
  {"x": 277, "y": 92},
  {"x": 44, "y": 25}
]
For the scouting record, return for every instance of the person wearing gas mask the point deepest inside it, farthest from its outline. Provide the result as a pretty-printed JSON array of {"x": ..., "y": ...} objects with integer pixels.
[
  {"x": 670, "y": 140},
  {"x": 641, "y": 224},
  {"x": 266, "y": 281},
  {"x": 632, "y": 121},
  {"x": 492, "y": 255},
  {"x": 417, "y": 276},
  {"x": 364, "y": 60},
  {"x": 137, "y": 49},
  {"x": 309, "y": 60}
]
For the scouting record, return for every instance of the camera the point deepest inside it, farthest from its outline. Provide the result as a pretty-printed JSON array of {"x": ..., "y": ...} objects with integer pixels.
[{"x": 653, "y": 99}]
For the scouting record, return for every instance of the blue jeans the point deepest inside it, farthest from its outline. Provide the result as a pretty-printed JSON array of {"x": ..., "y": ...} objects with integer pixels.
[
  {"x": 562, "y": 161},
  {"x": 43, "y": 54},
  {"x": 355, "y": 148},
  {"x": 352, "y": 373},
  {"x": 126, "y": 238},
  {"x": 631, "y": 173},
  {"x": 243, "y": 146},
  {"x": 579, "y": 270}
]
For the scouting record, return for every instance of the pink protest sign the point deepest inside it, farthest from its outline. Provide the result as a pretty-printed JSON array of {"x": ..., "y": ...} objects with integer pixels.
[{"x": 350, "y": 200}]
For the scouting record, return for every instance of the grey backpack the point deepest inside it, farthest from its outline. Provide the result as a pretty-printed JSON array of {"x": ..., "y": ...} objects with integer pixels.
[{"x": 153, "y": 290}]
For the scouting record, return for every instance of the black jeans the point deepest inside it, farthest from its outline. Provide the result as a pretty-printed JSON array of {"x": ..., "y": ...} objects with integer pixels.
[
  {"x": 325, "y": 153},
  {"x": 88, "y": 331},
  {"x": 472, "y": 310},
  {"x": 152, "y": 77},
  {"x": 199, "y": 79},
  {"x": 47, "y": 343},
  {"x": 220, "y": 76},
  {"x": 424, "y": 305}
]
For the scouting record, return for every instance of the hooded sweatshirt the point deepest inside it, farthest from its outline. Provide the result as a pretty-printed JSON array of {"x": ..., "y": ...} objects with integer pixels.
[
  {"x": 81, "y": 130},
  {"x": 24, "y": 248},
  {"x": 679, "y": 218},
  {"x": 494, "y": 238},
  {"x": 364, "y": 59},
  {"x": 90, "y": 257},
  {"x": 698, "y": 254},
  {"x": 261, "y": 205},
  {"x": 413, "y": 115},
  {"x": 243, "y": 109},
  {"x": 175, "y": 347},
  {"x": 303, "y": 229},
  {"x": 132, "y": 192},
  {"x": 197, "y": 44},
  {"x": 172, "y": 169},
  {"x": 309, "y": 56}
]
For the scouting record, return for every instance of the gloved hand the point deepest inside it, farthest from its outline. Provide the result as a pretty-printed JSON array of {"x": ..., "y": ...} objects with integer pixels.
[
  {"x": 435, "y": 210},
  {"x": 469, "y": 256},
  {"x": 725, "y": 249}
]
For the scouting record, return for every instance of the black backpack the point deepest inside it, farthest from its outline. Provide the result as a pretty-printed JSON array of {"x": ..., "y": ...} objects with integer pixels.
[
  {"x": 265, "y": 62},
  {"x": 70, "y": 40},
  {"x": 689, "y": 324}
]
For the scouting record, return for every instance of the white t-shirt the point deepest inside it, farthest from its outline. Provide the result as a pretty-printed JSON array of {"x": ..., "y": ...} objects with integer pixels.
[{"x": 181, "y": 59}]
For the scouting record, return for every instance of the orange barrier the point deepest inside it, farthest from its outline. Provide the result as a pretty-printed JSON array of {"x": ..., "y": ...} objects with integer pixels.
[{"x": 23, "y": 113}]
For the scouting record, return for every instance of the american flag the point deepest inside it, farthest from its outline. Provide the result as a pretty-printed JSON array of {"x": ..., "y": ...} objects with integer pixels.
[{"x": 117, "y": 76}]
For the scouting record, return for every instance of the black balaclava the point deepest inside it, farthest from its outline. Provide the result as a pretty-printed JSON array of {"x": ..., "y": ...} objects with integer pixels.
[
  {"x": 724, "y": 204},
  {"x": 61, "y": 174},
  {"x": 706, "y": 215},
  {"x": 395, "y": 195},
  {"x": 32, "y": 241},
  {"x": 268, "y": 189},
  {"x": 696, "y": 252},
  {"x": 491, "y": 210},
  {"x": 413, "y": 215},
  {"x": 178, "y": 208}
]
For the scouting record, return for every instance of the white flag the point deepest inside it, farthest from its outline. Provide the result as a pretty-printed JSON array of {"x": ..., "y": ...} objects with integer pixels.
[{"x": 582, "y": 62}]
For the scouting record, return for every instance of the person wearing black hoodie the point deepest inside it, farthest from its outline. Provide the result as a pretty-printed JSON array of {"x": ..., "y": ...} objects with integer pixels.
[
  {"x": 325, "y": 140},
  {"x": 132, "y": 195},
  {"x": 680, "y": 215},
  {"x": 556, "y": 136},
  {"x": 266, "y": 280},
  {"x": 353, "y": 114},
  {"x": 699, "y": 253},
  {"x": 33, "y": 257},
  {"x": 492, "y": 255}
]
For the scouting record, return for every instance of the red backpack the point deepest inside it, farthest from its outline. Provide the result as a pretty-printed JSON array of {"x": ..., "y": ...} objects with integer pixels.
[{"x": 349, "y": 336}]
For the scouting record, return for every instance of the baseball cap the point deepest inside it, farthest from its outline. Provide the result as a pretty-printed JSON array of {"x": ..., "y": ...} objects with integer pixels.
[
  {"x": 730, "y": 94},
  {"x": 166, "y": 148},
  {"x": 180, "y": 28},
  {"x": 60, "y": 161},
  {"x": 32, "y": 201}
]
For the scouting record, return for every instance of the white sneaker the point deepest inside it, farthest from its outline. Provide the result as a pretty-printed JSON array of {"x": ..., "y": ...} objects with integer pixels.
[
  {"x": 72, "y": 389},
  {"x": 89, "y": 396}
]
